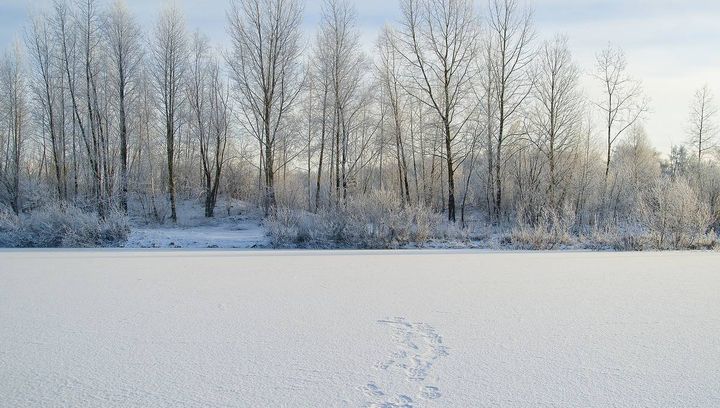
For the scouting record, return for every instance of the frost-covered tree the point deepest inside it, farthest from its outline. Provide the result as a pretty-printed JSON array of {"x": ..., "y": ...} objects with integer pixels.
[
  {"x": 509, "y": 58},
  {"x": 14, "y": 117},
  {"x": 636, "y": 168},
  {"x": 389, "y": 72},
  {"x": 555, "y": 118},
  {"x": 208, "y": 99},
  {"x": 169, "y": 67},
  {"x": 265, "y": 62},
  {"x": 623, "y": 101},
  {"x": 674, "y": 215},
  {"x": 339, "y": 47},
  {"x": 45, "y": 83},
  {"x": 439, "y": 40},
  {"x": 123, "y": 36},
  {"x": 449, "y": 109},
  {"x": 703, "y": 125}
]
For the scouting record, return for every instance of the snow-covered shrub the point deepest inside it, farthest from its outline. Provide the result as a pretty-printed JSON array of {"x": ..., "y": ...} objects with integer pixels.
[
  {"x": 35, "y": 194},
  {"x": 551, "y": 230},
  {"x": 634, "y": 170},
  {"x": 618, "y": 237},
  {"x": 704, "y": 178},
  {"x": 286, "y": 224},
  {"x": 427, "y": 225},
  {"x": 9, "y": 225},
  {"x": 62, "y": 226},
  {"x": 374, "y": 221},
  {"x": 282, "y": 225},
  {"x": 378, "y": 220},
  {"x": 292, "y": 226},
  {"x": 154, "y": 207},
  {"x": 675, "y": 217}
]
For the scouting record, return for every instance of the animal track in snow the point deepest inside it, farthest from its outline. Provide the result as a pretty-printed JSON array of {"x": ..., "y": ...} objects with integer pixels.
[
  {"x": 430, "y": 392},
  {"x": 380, "y": 400},
  {"x": 372, "y": 390},
  {"x": 418, "y": 347}
]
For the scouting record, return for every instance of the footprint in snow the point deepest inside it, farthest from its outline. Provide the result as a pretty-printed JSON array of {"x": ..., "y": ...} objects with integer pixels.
[
  {"x": 418, "y": 346},
  {"x": 378, "y": 399},
  {"x": 430, "y": 392},
  {"x": 372, "y": 390}
]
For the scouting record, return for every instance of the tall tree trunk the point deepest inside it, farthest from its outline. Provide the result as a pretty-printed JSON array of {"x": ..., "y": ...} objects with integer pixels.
[
  {"x": 322, "y": 150},
  {"x": 450, "y": 173},
  {"x": 123, "y": 149},
  {"x": 170, "y": 150}
]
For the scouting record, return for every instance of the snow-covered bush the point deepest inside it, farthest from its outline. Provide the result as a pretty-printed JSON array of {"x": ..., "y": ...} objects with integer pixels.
[
  {"x": 62, "y": 226},
  {"x": 9, "y": 226},
  {"x": 551, "y": 230},
  {"x": 290, "y": 226},
  {"x": 378, "y": 220},
  {"x": 634, "y": 170},
  {"x": 618, "y": 237},
  {"x": 675, "y": 217},
  {"x": 154, "y": 208}
]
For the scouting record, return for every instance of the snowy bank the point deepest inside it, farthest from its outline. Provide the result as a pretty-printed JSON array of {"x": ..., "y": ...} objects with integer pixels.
[{"x": 352, "y": 328}]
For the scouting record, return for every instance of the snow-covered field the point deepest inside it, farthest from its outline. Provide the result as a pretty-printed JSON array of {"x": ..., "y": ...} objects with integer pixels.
[
  {"x": 236, "y": 224},
  {"x": 240, "y": 234},
  {"x": 346, "y": 328}
]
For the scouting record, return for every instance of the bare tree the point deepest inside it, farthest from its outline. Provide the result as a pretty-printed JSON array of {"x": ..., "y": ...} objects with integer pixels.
[
  {"x": 170, "y": 53},
  {"x": 265, "y": 62},
  {"x": 321, "y": 75},
  {"x": 42, "y": 48},
  {"x": 556, "y": 116},
  {"x": 310, "y": 123},
  {"x": 123, "y": 36},
  {"x": 339, "y": 47},
  {"x": 510, "y": 36},
  {"x": 624, "y": 102},
  {"x": 210, "y": 111},
  {"x": 96, "y": 146},
  {"x": 454, "y": 106},
  {"x": 146, "y": 157},
  {"x": 80, "y": 55},
  {"x": 213, "y": 150},
  {"x": 389, "y": 70},
  {"x": 637, "y": 168},
  {"x": 703, "y": 126},
  {"x": 485, "y": 93},
  {"x": 67, "y": 32},
  {"x": 439, "y": 40},
  {"x": 15, "y": 108}
]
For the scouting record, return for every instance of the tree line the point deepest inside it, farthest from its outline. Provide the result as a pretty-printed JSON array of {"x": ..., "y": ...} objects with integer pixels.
[{"x": 458, "y": 107}]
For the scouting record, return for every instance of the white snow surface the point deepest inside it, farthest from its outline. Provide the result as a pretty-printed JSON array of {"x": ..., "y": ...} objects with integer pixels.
[
  {"x": 236, "y": 224},
  {"x": 240, "y": 234},
  {"x": 192, "y": 328}
]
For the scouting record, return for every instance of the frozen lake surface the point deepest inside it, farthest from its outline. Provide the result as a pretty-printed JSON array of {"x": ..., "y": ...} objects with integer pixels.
[{"x": 137, "y": 328}]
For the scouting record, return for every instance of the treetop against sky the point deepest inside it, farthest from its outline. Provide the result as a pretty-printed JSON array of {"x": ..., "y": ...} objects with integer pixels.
[{"x": 669, "y": 43}]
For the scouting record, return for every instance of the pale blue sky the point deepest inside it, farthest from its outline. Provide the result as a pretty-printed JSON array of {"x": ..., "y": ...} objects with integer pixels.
[{"x": 671, "y": 45}]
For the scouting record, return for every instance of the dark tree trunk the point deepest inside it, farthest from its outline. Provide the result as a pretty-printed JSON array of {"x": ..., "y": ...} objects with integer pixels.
[{"x": 450, "y": 174}]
